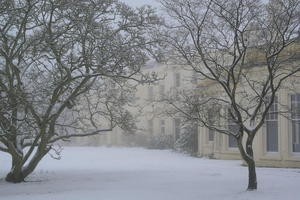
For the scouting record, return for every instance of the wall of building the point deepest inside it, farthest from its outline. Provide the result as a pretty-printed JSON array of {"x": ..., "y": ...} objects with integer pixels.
[
  {"x": 154, "y": 127},
  {"x": 282, "y": 157}
]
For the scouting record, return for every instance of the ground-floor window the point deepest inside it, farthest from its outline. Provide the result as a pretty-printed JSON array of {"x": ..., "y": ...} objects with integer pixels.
[
  {"x": 233, "y": 128},
  {"x": 211, "y": 134},
  {"x": 162, "y": 127},
  {"x": 295, "y": 116},
  {"x": 177, "y": 124},
  {"x": 150, "y": 126},
  {"x": 272, "y": 127},
  {"x": 211, "y": 122}
]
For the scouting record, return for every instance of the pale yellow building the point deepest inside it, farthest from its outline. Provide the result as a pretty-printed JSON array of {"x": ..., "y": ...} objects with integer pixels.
[{"x": 277, "y": 143}]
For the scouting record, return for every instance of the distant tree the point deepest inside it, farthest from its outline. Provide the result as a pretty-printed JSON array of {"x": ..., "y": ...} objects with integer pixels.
[
  {"x": 65, "y": 67},
  {"x": 243, "y": 51}
]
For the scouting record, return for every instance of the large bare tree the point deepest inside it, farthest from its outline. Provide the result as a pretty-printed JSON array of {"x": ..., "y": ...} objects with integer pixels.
[
  {"x": 243, "y": 52},
  {"x": 65, "y": 67}
]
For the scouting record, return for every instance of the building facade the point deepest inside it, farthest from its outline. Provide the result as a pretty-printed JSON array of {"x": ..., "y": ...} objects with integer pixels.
[
  {"x": 155, "y": 129},
  {"x": 276, "y": 144}
]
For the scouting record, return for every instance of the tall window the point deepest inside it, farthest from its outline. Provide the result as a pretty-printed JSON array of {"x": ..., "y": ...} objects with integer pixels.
[
  {"x": 162, "y": 127},
  {"x": 177, "y": 123},
  {"x": 194, "y": 77},
  {"x": 272, "y": 127},
  {"x": 161, "y": 91},
  {"x": 150, "y": 126},
  {"x": 211, "y": 132},
  {"x": 177, "y": 80},
  {"x": 150, "y": 93},
  {"x": 233, "y": 128},
  {"x": 295, "y": 108}
]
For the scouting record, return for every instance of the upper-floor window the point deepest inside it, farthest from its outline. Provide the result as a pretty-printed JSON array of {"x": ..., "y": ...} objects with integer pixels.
[
  {"x": 295, "y": 116},
  {"x": 272, "y": 126}
]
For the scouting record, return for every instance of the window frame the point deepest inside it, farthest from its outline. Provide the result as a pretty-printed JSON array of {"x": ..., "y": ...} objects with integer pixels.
[
  {"x": 291, "y": 141},
  {"x": 150, "y": 126},
  {"x": 177, "y": 126},
  {"x": 177, "y": 79},
  {"x": 162, "y": 127},
  {"x": 272, "y": 117},
  {"x": 231, "y": 123}
]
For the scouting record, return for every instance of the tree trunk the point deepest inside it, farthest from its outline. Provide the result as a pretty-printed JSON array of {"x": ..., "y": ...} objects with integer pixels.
[
  {"x": 15, "y": 177},
  {"x": 252, "y": 182},
  {"x": 16, "y": 174},
  {"x": 19, "y": 172},
  {"x": 247, "y": 156}
]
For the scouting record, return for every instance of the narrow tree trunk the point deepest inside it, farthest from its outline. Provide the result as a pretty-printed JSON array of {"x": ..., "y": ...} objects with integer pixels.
[
  {"x": 247, "y": 156},
  {"x": 252, "y": 182}
]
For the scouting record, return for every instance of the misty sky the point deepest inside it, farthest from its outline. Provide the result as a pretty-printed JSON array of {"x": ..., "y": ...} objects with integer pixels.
[{"x": 142, "y": 2}]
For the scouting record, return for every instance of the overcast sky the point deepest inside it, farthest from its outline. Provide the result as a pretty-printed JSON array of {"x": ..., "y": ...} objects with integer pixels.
[{"x": 141, "y": 2}]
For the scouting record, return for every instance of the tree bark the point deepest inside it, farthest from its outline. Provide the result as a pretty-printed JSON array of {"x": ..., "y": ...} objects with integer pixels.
[
  {"x": 19, "y": 172},
  {"x": 252, "y": 182},
  {"x": 15, "y": 177},
  {"x": 16, "y": 174},
  {"x": 247, "y": 156}
]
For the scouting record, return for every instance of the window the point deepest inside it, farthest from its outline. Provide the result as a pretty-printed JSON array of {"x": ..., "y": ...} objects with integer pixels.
[
  {"x": 150, "y": 126},
  {"x": 177, "y": 124},
  {"x": 211, "y": 134},
  {"x": 134, "y": 98},
  {"x": 233, "y": 128},
  {"x": 150, "y": 93},
  {"x": 162, "y": 127},
  {"x": 295, "y": 115},
  {"x": 210, "y": 119},
  {"x": 177, "y": 80},
  {"x": 272, "y": 127},
  {"x": 194, "y": 77},
  {"x": 161, "y": 91}
]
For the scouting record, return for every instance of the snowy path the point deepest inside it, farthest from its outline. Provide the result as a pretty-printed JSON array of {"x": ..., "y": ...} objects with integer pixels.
[{"x": 96, "y": 173}]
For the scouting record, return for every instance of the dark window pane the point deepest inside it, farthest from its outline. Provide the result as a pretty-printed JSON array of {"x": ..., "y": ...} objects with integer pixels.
[
  {"x": 177, "y": 128},
  {"x": 296, "y": 135},
  {"x": 233, "y": 128},
  {"x": 272, "y": 136},
  {"x": 210, "y": 135},
  {"x": 232, "y": 143},
  {"x": 272, "y": 127},
  {"x": 295, "y": 109}
]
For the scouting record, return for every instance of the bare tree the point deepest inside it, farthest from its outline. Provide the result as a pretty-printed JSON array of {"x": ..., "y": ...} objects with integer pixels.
[
  {"x": 64, "y": 68},
  {"x": 243, "y": 52}
]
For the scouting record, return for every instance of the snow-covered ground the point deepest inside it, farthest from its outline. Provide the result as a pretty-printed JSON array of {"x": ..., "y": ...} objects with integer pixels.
[{"x": 98, "y": 173}]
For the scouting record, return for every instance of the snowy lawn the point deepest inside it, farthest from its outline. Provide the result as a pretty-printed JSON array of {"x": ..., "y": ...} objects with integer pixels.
[{"x": 87, "y": 173}]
